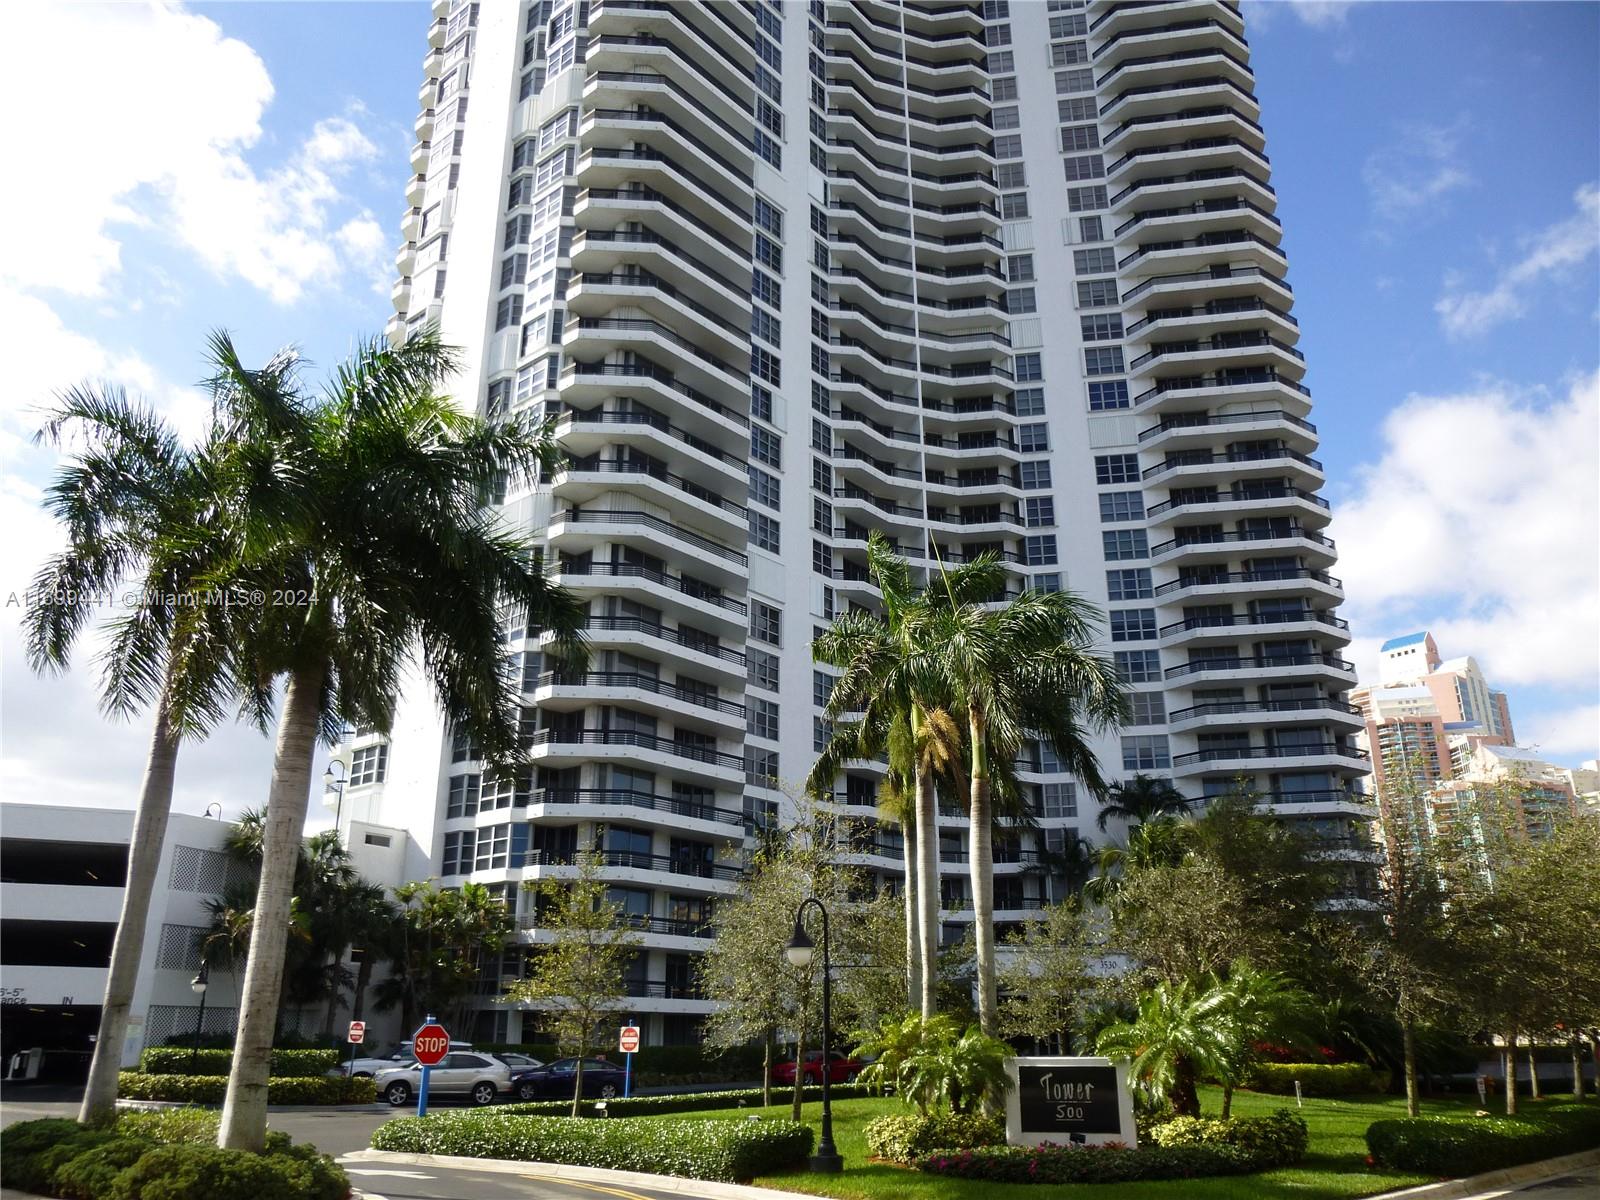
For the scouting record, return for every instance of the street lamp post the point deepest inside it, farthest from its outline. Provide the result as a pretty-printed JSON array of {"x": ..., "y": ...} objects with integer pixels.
[
  {"x": 198, "y": 986},
  {"x": 799, "y": 952},
  {"x": 336, "y": 782}
]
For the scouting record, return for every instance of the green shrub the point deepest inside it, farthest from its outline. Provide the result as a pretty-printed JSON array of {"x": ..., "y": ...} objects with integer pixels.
[
  {"x": 170, "y": 1126},
  {"x": 29, "y": 1162},
  {"x": 1276, "y": 1140},
  {"x": 906, "y": 1138},
  {"x": 1318, "y": 1079},
  {"x": 210, "y": 1089},
  {"x": 1086, "y": 1164},
  {"x": 88, "y": 1175},
  {"x": 1469, "y": 1145},
  {"x": 188, "y": 1172},
  {"x": 286, "y": 1064},
  {"x": 642, "y": 1106},
  {"x": 727, "y": 1150}
]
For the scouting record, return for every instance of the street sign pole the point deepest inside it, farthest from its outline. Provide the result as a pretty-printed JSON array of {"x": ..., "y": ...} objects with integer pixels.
[
  {"x": 430, "y": 1044},
  {"x": 627, "y": 1043},
  {"x": 627, "y": 1070},
  {"x": 422, "y": 1093}
]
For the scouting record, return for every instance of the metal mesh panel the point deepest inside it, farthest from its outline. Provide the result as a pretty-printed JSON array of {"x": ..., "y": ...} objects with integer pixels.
[
  {"x": 166, "y": 1021},
  {"x": 179, "y": 949}
]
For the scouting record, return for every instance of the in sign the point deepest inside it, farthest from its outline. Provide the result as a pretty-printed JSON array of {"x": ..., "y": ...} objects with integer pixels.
[
  {"x": 430, "y": 1044},
  {"x": 358, "y": 1032},
  {"x": 628, "y": 1043}
]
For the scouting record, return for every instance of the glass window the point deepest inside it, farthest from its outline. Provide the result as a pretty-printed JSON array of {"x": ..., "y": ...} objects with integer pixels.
[
  {"x": 1034, "y": 439},
  {"x": 1116, "y": 468},
  {"x": 761, "y": 669},
  {"x": 1121, "y": 506},
  {"x": 1145, "y": 752},
  {"x": 761, "y": 718},
  {"x": 1129, "y": 584},
  {"x": 1124, "y": 543},
  {"x": 1138, "y": 666},
  {"x": 1133, "y": 624},
  {"x": 766, "y": 622}
]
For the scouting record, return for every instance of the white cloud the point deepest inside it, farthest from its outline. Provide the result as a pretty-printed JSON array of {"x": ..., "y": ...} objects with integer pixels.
[
  {"x": 1479, "y": 520},
  {"x": 1416, "y": 172},
  {"x": 1568, "y": 733},
  {"x": 1553, "y": 251},
  {"x": 1322, "y": 14},
  {"x": 174, "y": 105}
]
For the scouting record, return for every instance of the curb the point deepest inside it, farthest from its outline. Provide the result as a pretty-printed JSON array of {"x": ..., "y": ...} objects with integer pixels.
[
  {"x": 704, "y": 1188},
  {"x": 159, "y": 1105},
  {"x": 1455, "y": 1189}
]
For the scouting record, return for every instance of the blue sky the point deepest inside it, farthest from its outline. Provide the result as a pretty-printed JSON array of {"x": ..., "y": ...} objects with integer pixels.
[{"x": 1437, "y": 166}]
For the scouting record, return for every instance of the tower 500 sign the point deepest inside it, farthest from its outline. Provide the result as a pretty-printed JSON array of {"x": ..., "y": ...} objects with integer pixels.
[{"x": 1083, "y": 1101}]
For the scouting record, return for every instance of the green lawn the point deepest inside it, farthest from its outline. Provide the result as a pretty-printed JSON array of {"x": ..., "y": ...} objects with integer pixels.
[{"x": 1334, "y": 1169}]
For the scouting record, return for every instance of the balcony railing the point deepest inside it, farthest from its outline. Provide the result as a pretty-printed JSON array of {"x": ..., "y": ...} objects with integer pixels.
[
  {"x": 1211, "y": 275},
  {"x": 1201, "y": 175},
  {"x": 693, "y": 588},
  {"x": 1217, "y": 342},
  {"x": 628, "y": 737},
  {"x": 1208, "y": 538},
  {"x": 1182, "y": 114},
  {"x": 1225, "y": 578},
  {"x": 649, "y": 521},
  {"x": 1215, "y": 308},
  {"x": 1233, "y": 753},
  {"x": 700, "y": 697},
  {"x": 1177, "y": 56},
  {"x": 1200, "y": 459},
  {"x": 1270, "y": 662},
  {"x": 660, "y": 989},
  {"x": 575, "y": 416},
  {"x": 1183, "y": 85},
  {"x": 1238, "y": 497},
  {"x": 1201, "y": 208},
  {"x": 648, "y": 370},
  {"x": 1279, "y": 617},
  {"x": 629, "y": 798},
  {"x": 671, "y": 926},
  {"x": 1204, "y": 420},
  {"x": 1175, "y": 27},
  {"x": 606, "y": 41},
  {"x": 651, "y": 470},
  {"x": 1226, "y": 708},
  {"x": 688, "y": 639}
]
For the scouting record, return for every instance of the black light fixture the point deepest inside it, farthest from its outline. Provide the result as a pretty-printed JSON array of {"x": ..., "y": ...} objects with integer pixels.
[
  {"x": 198, "y": 985},
  {"x": 800, "y": 951},
  {"x": 332, "y": 782}
]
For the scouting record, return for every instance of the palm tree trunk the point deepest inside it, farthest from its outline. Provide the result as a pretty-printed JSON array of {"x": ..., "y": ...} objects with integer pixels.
[
  {"x": 144, "y": 861},
  {"x": 334, "y": 996},
  {"x": 363, "y": 977},
  {"x": 980, "y": 855},
  {"x": 927, "y": 838},
  {"x": 909, "y": 896},
  {"x": 1408, "y": 1050},
  {"x": 1185, "y": 1097},
  {"x": 1227, "y": 1100},
  {"x": 244, "y": 1109}
]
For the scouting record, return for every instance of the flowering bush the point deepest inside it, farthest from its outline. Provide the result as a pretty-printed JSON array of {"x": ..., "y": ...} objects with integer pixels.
[{"x": 1086, "y": 1164}]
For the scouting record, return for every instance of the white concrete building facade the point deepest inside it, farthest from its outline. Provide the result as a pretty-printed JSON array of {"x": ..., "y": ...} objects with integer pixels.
[{"x": 982, "y": 276}]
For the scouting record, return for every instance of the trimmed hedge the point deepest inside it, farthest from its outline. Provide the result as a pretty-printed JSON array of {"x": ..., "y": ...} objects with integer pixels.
[
  {"x": 128, "y": 1161},
  {"x": 1453, "y": 1146},
  {"x": 727, "y": 1150},
  {"x": 1319, "y": 1079},
  {"x": 1278, "y": 1139},
  {"x": 286, "y": 1064},
  {"x": 210, "y": 1089},
  {"x": 1086, "y": 1164},
  {"x": 906, "y": 1138},
  {"x": 642, "y": 1106}
]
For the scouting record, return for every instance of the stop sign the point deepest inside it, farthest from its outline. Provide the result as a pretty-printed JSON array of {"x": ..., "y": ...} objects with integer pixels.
[
  {"x": 629, "y": 1041},
  {"x": 430, "y": 1044}
]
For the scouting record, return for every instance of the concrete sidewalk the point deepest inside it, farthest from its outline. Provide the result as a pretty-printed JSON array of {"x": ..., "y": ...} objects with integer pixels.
[{"x": 1510, "y": 1180}]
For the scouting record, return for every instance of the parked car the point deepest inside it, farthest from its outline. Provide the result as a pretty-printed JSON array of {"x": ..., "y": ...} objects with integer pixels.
[
  {"x": 479, "y": 1077},
  {"x": 841, "y": 1069},
  {"x": 368, "y": 1066},
  {"x": 601, "y": 1079},
  {"x": 519, "y": 1062}
]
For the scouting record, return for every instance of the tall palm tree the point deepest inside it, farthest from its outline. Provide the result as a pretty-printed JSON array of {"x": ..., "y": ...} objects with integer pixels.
[
  {"x": 1020, "y": 669},
  {"x": 888, "y": 678},
  {"x": 383, "y": 550},
  {"x": 1142, "y": 798},
  {"x": 144, "y": 515}
]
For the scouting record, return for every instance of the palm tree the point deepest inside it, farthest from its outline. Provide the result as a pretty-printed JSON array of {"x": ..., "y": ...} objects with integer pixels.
[
  {"x": 382, "y": 551},
  {"x": 145, "y": 515},
  {"x": 1261, "y": 1007},
  {"x": 887, "y": 679},
  {"x": 1023, "y": 668},
  {"x": 1181, "y": 1034},
  {"x": 1159, "y": 842},
  {"x": 1142, "y": 799}
]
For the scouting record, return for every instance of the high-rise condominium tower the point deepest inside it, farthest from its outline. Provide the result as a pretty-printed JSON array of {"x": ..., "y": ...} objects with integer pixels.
[{"x": 985, "y": 277}]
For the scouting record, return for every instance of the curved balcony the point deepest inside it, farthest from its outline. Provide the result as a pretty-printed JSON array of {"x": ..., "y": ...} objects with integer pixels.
[
  {"x": 416, "y": 190},
  {"x": 584, "y": 479},
  {"x": 572, "y": 746},
  {"x": 1308, "y": 622},
  {"x": 1192, "y": 187},
  {"x": 558, "y": 691},
  {"x": 729, "y": 820},
  {"x": 1172, "y": 36},
  {"x": 1229, "y": 118},
  {"x": 1271, "y": 501},
  {"x": 1203, "y": 288},
  {"x": 1151, "y": 70},
  {"x": 678, "y": 593},
  {"x": 1274, "y": 582},
  {"x": 698, "y": 367},
  {"x": 585, "y": 432},
  {"x": 1239, "y": 246},
  {"x": 1207, "y": 546},
  {"x": 1205, "y": 153},
  {"x": 1217, "y": 316},
  {"x": 702, "y": 414},
  {"x": 1248, "y": 385},
  {"x": 1277, "y": 666},
  {"x": 596, "y": 294},
  {"x": 1231, "y": 713},
  {"x": 577, "y": 529},
  {"x": 1144, "y": 100},
  {"x": 610, "y": 208},
  {"x": 1328, "y": 756},
  {"x": 1197, "y": 467},
  {"x": 1205, "y": 427},
  {"x": 714, "y": 89},
  {"x": 728, "y": 36},
  {"x": 603, "y": 252},
  {"x": 704, "y": 650}
]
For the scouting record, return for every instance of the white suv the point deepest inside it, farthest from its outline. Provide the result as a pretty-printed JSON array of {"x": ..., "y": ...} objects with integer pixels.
[
  {"x": 365, "y": 1068},
  {"x": 462, "y": 1073}
]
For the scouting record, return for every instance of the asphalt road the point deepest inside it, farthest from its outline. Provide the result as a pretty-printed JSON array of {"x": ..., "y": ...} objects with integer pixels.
[{"x": 342, "y": 1132}]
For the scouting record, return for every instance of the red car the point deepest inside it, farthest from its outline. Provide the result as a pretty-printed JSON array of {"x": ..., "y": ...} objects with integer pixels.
[{"x": 841, "y": 1069}]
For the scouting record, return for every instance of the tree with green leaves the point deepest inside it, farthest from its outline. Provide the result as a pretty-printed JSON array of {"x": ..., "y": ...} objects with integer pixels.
[
  {"x": 1045, "y": 979},
  {"x": 1017, "y": 671},
  {"x": 1142, "y": 799},
  {"x": 1182, "y": 1034},
  {"x": 381, "y": 553},
  {"x": 575, "y": 972},
  {"x": 1259, "y": 1007},
  {"x": 437, "y": 947},
  {"x": 148, "y": 516}
]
